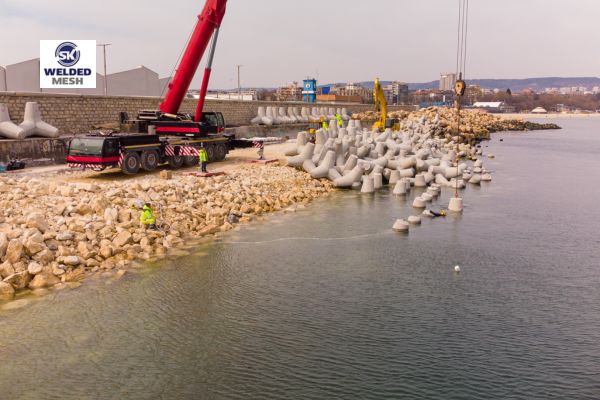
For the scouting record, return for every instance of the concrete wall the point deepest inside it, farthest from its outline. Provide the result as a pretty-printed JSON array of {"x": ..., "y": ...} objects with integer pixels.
[{"x": 75, "y": 114}]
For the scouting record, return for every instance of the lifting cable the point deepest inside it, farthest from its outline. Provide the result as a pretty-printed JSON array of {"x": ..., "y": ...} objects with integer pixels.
[
  {"x": 172, "y": 74},
  {"x": 461, "y": 64}
]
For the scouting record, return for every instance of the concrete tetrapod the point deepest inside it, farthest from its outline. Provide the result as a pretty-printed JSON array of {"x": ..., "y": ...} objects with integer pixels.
[
  {"x": 348, "y": 179},
  {"x": 455, "y": 204},
  {"x": 367, "y": 185},
  {"x": 9, "y": 129},
  {"x": 305, "y": 154},
  {"x": 415, "y": 220},
  {"x": 33, "y": 124},
  {"x": 400, "y": 188},
  {"x": 323, "y": 169},
  {"x": 401, "y": 226},
  {"x": 418, "y": 203}
]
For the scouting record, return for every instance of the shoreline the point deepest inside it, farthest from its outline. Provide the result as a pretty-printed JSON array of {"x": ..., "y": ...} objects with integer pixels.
[{"x": 58, "y": 227}]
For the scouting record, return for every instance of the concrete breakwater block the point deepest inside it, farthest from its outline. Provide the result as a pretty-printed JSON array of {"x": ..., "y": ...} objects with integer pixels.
[
  {"x": 401, "y": 226},
  {"x": 414, "y": 220},
  {"x": 455, "y": 204},
  {"x": 8, "y": 129},
  {"x": 33, "y": 124}
]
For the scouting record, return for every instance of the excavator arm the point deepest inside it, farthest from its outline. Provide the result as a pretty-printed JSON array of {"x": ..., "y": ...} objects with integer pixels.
[
  {"x": 207, "y": 27},
  {"x": 380, "y": 105}
]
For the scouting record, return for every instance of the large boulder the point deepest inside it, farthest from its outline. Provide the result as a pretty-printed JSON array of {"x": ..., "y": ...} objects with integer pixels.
[
  {"x": 37, "y": 220},
  {"x": 19, "y": 280},
  {"x": 14, "y": 251},
  {"x": 3, "y": 244},
  {"x": 34, "y": 268},
  {"x": 43, "y": 280},
  {"x": 6, "y": 269},
  {"x": 7, "y": 292},
  {"x": 123, "y": 238}
]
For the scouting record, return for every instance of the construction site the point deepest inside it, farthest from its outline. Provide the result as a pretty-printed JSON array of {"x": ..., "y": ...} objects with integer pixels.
[{"x": 329, "y": 241}]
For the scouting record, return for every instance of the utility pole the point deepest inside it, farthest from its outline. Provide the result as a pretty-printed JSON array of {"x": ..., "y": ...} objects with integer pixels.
[
  {"x": 103, "y": 45},
  {"x": 239, "y": 82}
]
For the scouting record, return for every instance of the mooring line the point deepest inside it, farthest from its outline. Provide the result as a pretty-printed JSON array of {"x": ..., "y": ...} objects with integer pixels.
[{"x": 311, "y": 238}]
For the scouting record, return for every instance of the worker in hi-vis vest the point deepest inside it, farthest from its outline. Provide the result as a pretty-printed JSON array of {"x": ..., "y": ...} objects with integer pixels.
[
  {"x": 340, "y": 121},
  {"x": 203, "y": 159},
  {"x": 147, "y": 218},
  {"x": 324, "y": 123}
]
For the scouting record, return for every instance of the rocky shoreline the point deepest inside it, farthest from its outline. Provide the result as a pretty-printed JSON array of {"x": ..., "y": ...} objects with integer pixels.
[
  {"x": 54, "y": 233},
  {"x": 474, "y": 124}
]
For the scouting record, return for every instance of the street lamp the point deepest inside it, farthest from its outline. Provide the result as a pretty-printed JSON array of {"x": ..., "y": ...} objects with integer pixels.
[
  {"x": 239, "y": 82},
  {"x": 103, "y": 45}
]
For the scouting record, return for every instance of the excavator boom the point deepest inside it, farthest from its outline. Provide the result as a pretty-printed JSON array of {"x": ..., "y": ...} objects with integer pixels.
[
  {"x": 380, "y": 104},
  {"x": 208, "y": 24}
]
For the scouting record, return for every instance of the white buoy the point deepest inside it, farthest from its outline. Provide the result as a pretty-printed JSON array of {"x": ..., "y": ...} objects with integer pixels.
[
  {"x": 455, "y": 204},
  {"x": 457, "y": 269}
]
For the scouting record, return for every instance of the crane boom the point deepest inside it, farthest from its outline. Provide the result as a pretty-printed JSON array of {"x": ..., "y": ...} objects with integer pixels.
[{"x": 209, "y": 21}]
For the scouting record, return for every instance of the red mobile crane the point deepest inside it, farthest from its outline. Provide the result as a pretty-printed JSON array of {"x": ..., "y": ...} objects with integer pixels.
[{"x": 165, "y": 135}]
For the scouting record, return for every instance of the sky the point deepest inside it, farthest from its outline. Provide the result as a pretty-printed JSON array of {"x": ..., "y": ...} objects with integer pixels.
[{"x": 280, "y": 41}]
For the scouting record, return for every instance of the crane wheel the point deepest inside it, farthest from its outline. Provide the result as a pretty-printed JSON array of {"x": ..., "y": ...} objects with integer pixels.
[
  {"x": 221, "y": 151},
  {"x": 175, "y": 161},
  {"x": 131, "y": 163},
  {"x": 191, "y": 161},
  {"x": 211, "y": 153},
  {"x": 149, "y": 160}
]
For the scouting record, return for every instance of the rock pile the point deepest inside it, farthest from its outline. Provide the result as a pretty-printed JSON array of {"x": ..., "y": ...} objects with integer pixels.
[
  {"x": 474, "y": 124},
  {"x": 52, "y": 232}
]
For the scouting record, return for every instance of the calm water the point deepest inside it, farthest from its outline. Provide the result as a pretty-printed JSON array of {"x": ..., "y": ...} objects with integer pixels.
[{"x": 327, "y": 303}]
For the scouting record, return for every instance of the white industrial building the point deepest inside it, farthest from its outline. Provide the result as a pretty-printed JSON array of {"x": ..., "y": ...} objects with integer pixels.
[
  {"x": 2, "y": 79},
  {"x": 140, "y": 81}
]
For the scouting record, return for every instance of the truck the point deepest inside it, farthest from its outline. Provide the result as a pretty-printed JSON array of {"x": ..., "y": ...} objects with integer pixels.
[{"x": 165, "y": 136}]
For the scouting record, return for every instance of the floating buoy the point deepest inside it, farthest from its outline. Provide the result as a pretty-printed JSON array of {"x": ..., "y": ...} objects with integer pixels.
[{"x": 457, "y": 269}]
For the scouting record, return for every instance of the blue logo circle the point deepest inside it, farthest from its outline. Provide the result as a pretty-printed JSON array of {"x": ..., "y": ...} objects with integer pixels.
[{"x": 67, "y": 54}]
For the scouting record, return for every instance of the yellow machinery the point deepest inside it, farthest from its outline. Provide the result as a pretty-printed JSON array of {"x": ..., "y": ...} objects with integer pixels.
[{"x": 381, "y": 106}]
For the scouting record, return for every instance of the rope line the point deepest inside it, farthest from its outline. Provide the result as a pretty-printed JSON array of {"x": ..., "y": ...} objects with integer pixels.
[{"x": 310, "y": 238}]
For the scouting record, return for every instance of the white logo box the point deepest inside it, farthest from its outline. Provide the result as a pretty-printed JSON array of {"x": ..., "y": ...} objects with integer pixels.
[{"x": 67, "y": 64}]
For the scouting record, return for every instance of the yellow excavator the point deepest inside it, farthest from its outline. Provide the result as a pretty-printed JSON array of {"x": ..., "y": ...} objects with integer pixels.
[{"x": 381, "y": 106}]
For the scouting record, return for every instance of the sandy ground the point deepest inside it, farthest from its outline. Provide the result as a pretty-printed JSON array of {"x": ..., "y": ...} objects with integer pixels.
[{"x": 235, "y": 159}]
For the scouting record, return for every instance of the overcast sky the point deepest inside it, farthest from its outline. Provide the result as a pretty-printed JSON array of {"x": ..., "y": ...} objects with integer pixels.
[{"x": 279, "y": 41}]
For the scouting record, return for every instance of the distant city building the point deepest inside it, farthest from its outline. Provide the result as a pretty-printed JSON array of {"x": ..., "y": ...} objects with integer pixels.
[
  {"x": 336, "y": 98},
  {"x": 396, "y": 93},
  {"x": 291, "y": 92},
  {"x": 447, "y": 81},
  {"x": 493, "y": 106},
  {"x": 352, "y": 89}
]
